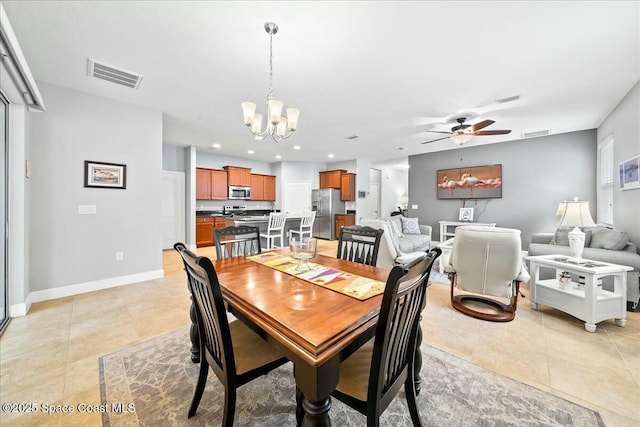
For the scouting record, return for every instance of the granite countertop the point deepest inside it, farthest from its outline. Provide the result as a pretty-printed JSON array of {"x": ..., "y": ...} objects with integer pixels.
[{"x": 209, "y": 213}]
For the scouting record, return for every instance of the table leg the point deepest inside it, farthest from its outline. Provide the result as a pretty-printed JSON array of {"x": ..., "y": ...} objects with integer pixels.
[
  {"x": 621, "y": 322},
  {"x": 590, "y": 327},
  {"x": 315, "y": 384}
]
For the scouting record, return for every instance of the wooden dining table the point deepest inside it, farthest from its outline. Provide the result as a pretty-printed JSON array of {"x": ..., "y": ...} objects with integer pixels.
[{"x": 315, "y": 327}]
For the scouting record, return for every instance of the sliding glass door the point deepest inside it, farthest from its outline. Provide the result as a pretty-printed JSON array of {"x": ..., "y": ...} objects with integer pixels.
[{"x": 4, "y": 126}]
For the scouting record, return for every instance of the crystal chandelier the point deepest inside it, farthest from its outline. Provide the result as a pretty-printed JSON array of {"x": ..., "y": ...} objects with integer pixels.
[{"x": 278, "y": 126}]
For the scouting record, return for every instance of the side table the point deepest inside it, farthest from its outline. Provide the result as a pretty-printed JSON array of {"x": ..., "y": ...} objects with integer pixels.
[{"x": 588, "y": 302}]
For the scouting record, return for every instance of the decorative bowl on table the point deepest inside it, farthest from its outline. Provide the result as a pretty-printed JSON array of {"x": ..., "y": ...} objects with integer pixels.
[{"x": 303, "y": 249}]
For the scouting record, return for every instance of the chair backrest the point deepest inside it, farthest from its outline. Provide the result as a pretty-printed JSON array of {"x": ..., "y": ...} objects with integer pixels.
[
  {"x": 388, "y": 250},
  {"x": 359, "y": 244},
  {"x": 213, "y": 326},
  {"x": 397, "y": 329},
  {"x": 237, "y": 241},
  {"x": 486, "y": 260},
  {"x": 276, "y": 221},
  {"x": 307, "y": 220}
]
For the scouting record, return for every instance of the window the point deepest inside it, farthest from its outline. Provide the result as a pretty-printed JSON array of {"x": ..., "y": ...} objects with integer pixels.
[{"x": 605, "y": 181}]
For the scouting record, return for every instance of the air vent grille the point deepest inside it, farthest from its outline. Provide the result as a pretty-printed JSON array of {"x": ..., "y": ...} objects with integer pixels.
[
  {"x": 509, "y": 99},
  {"x": 535, "y": 134},
  {"x": 113, "y": 74}
]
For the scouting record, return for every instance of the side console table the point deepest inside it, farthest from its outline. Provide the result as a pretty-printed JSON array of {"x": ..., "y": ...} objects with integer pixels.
[{"x": 588, "y": 302}]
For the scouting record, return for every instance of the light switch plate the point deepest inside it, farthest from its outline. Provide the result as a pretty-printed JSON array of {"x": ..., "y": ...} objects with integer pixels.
[
  {"x": 87, "y": 209},
  {"x": 414, "y": 206}
]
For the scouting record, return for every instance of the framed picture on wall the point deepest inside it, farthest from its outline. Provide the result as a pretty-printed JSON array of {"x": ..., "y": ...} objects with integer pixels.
[
  {"x": 105, "y": 175},
  {"x": 629, "y": 173}
]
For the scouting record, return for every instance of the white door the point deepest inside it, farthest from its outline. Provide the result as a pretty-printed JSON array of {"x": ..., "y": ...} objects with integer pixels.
[
  {"x": 173, "y": 207},
  {"x": 374, "y": 203},
  {"x": 296, "y": 197}
]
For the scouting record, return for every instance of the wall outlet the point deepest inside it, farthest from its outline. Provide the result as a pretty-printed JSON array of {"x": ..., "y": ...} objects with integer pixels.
[{"x": 119, "y": 256}]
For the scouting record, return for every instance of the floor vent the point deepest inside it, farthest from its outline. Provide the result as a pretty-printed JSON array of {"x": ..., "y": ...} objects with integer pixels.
[
  {"x": 116, "y": 75},
  {"x": 535, "y": 134}
]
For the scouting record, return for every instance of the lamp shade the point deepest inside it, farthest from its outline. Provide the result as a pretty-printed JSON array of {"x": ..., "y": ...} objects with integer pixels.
[
  {"x": 576, "y": 214},
  {"x": 562, "y": 206},
  {"x": 461, "y": 138}
]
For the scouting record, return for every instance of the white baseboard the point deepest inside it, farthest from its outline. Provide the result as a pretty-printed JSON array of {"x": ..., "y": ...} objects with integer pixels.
[{"x": 81, "y": 288}]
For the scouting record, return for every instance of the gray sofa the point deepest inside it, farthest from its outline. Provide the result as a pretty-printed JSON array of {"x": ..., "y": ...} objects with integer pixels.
[{"x": 554, "y": 243}]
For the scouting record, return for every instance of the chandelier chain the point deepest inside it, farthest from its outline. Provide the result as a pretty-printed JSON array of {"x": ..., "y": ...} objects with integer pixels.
[{"x": 270, "y": 95}]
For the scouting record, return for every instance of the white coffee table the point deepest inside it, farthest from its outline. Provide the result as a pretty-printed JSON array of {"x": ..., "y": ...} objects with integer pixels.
[{"x": 588, "y": 302}]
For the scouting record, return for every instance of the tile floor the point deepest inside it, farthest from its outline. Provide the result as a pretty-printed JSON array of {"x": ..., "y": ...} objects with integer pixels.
[{"x": 51, "y": 355}]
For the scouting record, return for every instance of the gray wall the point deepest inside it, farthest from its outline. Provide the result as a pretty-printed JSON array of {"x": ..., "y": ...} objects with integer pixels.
[
  {"x": 67, "y": 248},
  {"x": 173, "y": 158},
  {"x": 624, "y": 125},
  {"x": 537, "y": 173}
]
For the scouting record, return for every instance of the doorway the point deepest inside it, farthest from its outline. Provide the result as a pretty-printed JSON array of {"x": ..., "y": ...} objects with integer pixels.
[
  {"x": 375, "y": 179},
  {"x": 173, "y": 208}
]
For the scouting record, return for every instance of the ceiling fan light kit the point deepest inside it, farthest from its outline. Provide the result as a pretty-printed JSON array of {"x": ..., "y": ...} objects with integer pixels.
[{"x": 278, "y": 126}]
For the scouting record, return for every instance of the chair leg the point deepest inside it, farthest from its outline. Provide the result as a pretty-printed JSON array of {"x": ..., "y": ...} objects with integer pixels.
[
  {"x": 411, "y": 400},
  {"x": 229, "y": 406},
  {"x": 202, "y": 381}
]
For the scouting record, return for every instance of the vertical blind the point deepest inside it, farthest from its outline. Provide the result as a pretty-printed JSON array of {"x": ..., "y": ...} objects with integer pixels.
[{"x": 605, "y": 181}]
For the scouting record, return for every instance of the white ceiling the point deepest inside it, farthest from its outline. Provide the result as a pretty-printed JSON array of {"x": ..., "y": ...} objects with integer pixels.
[{"x": 385, "y": 71}]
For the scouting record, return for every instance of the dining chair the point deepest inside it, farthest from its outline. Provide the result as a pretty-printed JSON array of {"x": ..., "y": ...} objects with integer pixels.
[
  {"x": 306, "y": 225},
  {"x": 485, "y": 263},
  {"x": 359, "y": 244},
  {"x": 235, "y": 241},
  {"x": 372, "y": 376},
  {"x": 275, "y": 229},
  {"x": 235, "y": 353}
]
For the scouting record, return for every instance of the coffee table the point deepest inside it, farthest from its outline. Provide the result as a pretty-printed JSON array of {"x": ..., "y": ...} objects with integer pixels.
[{"x": 588, "y": 301}]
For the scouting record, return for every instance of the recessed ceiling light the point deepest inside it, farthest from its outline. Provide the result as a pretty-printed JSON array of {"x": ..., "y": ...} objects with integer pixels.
[
  {"x": 296, "y": 147},
  {"x": 278, "y": 156},
  {"x": 331, "y": 155},
  {"x": 215, "y": 145},
  {"x": 251, "y": 152}
]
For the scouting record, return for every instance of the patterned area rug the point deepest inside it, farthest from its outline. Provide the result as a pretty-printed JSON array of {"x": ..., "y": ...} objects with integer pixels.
[{"x": 158, "y": 378}]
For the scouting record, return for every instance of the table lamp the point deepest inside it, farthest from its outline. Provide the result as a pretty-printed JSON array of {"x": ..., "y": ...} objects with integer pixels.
[{"x": 576, "y": 214}]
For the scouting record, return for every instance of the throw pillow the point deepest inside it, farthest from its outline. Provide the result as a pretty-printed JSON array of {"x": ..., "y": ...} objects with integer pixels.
[
  {"x": 561, "y": 237},
  {"x": 395, "y": 229},
  {"x": 609, "y": 239},
  {"x": 410, "y": 225}
]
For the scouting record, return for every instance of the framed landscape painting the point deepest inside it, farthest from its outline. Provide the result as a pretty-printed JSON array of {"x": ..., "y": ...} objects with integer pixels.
[
  {"x": 629, "y": 173},
  {"x": 105, "y": 175},
  {"x": 475, "y": 182}
]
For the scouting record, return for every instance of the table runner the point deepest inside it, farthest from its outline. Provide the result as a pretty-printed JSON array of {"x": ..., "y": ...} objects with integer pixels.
[{"x": 355, "y": 286}]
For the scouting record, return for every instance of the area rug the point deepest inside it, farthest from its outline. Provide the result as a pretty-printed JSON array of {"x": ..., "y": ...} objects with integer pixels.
[{"x": 151, "y": 384}]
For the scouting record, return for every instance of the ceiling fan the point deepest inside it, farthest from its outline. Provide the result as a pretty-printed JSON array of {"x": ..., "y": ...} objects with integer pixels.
[{"x": 462, "y": 133}]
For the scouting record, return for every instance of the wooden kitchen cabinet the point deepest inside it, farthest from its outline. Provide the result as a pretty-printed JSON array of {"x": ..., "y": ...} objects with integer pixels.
[
  {"x": 257, "y": 187},
  {"x": 204, "y": 229},
  {"x": 203, "y": 184},
  {"x": 348, "y": 187},
  {"x": 238, "y": 176},
  {"x": 211, "y": 184},
  {"x": 331, "y": 179},
  {"x": 343, "y": 220},
  {"x": 269, "y": 188},
  {"x": 219, "y": 187}
]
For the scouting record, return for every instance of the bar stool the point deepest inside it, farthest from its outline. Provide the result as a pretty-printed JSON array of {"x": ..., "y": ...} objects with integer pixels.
[
  {"x": 306, "y": 225},
  {"x": 275, "y": 230}
]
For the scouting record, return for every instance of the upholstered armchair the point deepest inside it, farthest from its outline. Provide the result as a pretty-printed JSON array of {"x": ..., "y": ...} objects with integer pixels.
[
  {"x": 486, "y": 261},
  {"x": 389, "y": 252}
]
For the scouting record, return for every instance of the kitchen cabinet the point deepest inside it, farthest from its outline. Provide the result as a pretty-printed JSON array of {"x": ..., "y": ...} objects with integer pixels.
[
  {"x": 204, "y": 229},
  {"x": 211, "y": 184},
  {"x": 348, "y": 187},
  {"x": 238, "y": 176},
  {"x": 331, "y": 179},
  {"x": 263, "y": 187},
  {"x": 344, "y": 220}
]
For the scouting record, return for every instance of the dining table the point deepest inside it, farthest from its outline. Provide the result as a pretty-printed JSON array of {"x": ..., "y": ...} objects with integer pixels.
[{"x": 313, "y": 326}]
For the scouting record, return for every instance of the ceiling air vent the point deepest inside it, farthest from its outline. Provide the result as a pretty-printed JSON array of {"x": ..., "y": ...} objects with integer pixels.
[
  {"x": 509, "y": 99},
  {"x": 535, "y": 134},
  {"x": 103, "y": 71}
]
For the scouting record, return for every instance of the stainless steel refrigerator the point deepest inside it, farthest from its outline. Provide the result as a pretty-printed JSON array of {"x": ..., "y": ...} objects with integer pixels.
[{"x": 326, "y": 202}]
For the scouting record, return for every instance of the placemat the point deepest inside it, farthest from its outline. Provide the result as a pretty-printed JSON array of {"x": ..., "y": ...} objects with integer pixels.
[{"x": 355, "y": 286}]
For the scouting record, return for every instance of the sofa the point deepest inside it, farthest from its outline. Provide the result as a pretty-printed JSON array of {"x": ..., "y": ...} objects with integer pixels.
[
  {"x": 400, "y": 245},
  {"x": 601, "y": 244}
]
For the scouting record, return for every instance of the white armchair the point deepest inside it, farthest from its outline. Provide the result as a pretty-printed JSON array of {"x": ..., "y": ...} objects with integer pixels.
[
  {"x": 389, "y": 253},
  {"x": 486, "y": 261}
]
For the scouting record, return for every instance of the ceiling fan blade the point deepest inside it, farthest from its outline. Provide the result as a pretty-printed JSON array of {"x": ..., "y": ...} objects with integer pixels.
[
  {"x": 492, "y": 132},
  {"x": 481, "y": 125},
  {"x": 439, "y": 139},
  {"x": 438, "y": 131}
]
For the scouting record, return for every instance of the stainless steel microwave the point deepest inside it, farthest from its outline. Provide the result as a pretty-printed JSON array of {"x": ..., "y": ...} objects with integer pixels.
[{"x": 239, "y": 193}]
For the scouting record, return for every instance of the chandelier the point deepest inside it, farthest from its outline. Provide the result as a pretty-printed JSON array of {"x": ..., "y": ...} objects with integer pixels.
[{"x": 278, "y": 126}]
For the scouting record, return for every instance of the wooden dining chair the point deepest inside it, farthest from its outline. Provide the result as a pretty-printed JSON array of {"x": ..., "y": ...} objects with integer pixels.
[
  {"x": 275, "y": 230},
  {"x": 359, "y": 244},
  {"x": 372, "y": 376},
  {"x": 237, "y": 241},
  {"x": 235, "y": 353}
]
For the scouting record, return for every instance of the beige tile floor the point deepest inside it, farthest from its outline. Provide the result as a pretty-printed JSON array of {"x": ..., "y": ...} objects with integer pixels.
[{"x": 51, "y": 355}]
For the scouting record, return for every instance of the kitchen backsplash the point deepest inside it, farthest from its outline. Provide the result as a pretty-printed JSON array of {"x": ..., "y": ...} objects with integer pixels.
[{"x": 218, "y": 205}]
